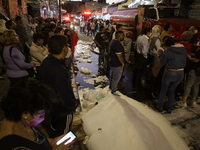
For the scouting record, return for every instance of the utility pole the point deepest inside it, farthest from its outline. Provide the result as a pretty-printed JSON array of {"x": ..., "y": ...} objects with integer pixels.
[{"x": 60, "y": 11}]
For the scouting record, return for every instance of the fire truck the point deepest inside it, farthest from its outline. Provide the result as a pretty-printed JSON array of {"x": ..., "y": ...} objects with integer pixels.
[{"x": 151, "y": 15}]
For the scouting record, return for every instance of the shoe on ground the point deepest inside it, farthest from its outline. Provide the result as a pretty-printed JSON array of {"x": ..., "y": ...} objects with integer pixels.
[
  {"x": 78, "y": 84},
  {"x": 159, "y": 110},
  {"x": 154, "y": 95},
  {"x": 169, "y": 111},
  {"x": 182, "y": 104},
  {"x": 193, "y": 104},
  {"x": 115, "y": 94}
]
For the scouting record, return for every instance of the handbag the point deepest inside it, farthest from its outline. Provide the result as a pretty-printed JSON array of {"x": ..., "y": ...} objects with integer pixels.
[{"x": 30, "y": 71}]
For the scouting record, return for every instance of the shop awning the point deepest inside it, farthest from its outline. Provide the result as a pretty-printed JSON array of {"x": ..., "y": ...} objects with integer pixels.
[{"x": 125, "y": 15}]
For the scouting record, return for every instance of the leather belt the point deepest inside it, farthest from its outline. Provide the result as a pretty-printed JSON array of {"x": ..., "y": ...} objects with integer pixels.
[{"x": 176, "y": 69}]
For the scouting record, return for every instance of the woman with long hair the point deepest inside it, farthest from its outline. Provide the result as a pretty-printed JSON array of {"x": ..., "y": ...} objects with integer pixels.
[{"x": 14, "y": 59}]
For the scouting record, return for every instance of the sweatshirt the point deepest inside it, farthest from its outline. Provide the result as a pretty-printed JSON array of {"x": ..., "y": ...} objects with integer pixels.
[{"x": 174, "y": 57}]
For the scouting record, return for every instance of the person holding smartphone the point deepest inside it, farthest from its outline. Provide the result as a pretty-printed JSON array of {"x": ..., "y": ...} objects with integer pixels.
[{"x": 24, "y": 109}]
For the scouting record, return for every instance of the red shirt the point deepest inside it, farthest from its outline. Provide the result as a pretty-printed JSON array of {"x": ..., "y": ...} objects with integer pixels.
[{"x": 190, "y": 48}]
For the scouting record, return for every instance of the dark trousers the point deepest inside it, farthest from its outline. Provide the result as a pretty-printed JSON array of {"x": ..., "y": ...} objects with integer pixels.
[
  {"x": 17, "y": 80},
  {"x": 37, "y": 72},
  {"x": 59, "y": 126},
  {"x": 88, "y": 33},
  {"x": 92, "y": 33},
  {"x": 157, "y": 81},
  {"x": 136, "y": 78}
]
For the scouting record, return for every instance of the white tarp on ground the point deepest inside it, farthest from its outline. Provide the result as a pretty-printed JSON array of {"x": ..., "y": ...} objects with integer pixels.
[{"x": 121, "y": 123}]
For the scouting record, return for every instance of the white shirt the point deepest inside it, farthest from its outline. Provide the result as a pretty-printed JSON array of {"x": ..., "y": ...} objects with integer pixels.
[
  {"x": 82, "y": 24},
  {"x": 142, "y": 45},
  {"x": 113, "y": 36},
  {"x": 37, "y": 54},
  {"x": 92, "y": 25}
]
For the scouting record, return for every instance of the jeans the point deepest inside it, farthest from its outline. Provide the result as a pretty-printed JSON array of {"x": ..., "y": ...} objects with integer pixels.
[
  {"x": 115, "y": 76},
  {"x": 192, "y": 82},
  {"x": 101, "y": 55},
  {"x": 170, "y": 81}
]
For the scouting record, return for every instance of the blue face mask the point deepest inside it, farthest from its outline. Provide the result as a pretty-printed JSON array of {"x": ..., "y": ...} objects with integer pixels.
[{"x": 52, "y": 33}]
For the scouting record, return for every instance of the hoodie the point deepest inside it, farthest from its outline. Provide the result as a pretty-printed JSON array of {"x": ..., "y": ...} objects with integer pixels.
[{"x": 174, "y": 57}]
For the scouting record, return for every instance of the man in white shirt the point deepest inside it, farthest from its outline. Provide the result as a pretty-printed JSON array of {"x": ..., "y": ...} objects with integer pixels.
[
  {"x": 141, "y": 60},
  {"x": 92, "y": 26},
  {"x": 82, "y": 25}
]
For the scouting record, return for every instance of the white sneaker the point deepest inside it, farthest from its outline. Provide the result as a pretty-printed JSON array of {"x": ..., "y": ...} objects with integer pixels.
[
  {"x": 193, "y": 104},
  {"x": 182, "y": 104}
]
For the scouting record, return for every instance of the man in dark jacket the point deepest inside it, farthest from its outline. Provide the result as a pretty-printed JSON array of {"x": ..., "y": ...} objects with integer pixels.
[{"x": 53, "y": 72}]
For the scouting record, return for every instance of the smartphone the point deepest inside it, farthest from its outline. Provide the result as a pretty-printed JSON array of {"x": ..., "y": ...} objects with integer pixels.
[{"x": 70, "y": 135}]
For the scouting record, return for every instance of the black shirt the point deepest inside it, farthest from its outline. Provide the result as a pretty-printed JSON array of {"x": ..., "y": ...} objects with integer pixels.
[
  {"x": 16, "y": 142},
  {"x": 101, "y": 38},
  {"x": 114, "y": 48},
  {"x": 54, "y": 73}
]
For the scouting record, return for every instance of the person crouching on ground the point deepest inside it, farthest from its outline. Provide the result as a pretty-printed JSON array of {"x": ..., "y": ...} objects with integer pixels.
[
  {"x": 116, "y": 60},
  {"x": 174, "y": 59}
]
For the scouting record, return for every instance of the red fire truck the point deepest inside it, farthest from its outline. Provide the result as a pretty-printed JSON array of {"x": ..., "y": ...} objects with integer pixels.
[{"x": 155, "y": 14}]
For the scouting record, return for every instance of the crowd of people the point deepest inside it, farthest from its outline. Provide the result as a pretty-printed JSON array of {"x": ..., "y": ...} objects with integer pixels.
[
  {"x": 156, "y": 56},
  {"x": 40, "y": 80},
  {"x": 93, "y": 26},
  {"x": 159, "y": 58}
]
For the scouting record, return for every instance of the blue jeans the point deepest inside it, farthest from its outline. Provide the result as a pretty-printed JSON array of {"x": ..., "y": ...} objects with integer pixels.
[
  {"x": 170, "y": 81},
  {"x": 115, "y": 76}
]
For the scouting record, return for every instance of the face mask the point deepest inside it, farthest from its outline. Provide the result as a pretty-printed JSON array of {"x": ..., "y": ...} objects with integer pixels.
[
  {"x": 37, "y": 120},
  {"x": 69, "y": 53}
]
